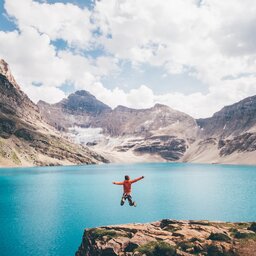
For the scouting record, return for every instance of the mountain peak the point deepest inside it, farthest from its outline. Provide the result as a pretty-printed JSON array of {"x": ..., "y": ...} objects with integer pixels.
[
  {"x": 82, "y": 101},
  {"x": 160, "y": 106},
  {"x": 6, "y": 71},
  {"x": 83, "y": 93},
  {"x": 122, "y": 108}
]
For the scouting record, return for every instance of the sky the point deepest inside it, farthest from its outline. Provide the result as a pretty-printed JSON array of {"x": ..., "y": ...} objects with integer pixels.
[{"x": 195, "y": 56}]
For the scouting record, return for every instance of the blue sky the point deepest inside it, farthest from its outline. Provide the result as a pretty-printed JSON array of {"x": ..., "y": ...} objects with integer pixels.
[{"x": 189, "y": 56}]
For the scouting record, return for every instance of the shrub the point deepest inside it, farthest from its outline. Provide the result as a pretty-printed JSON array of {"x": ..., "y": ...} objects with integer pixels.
[
  {"x": 219, "y": 237},
  {"x": 99, "y": 233},
  {"x": 194, "y": 239},
  {"x": 185, "y": 245},
  {"x": 243, "y": 235},
  {"x": 157, "y": 249},
  {"x": 253, "y": 227},
  {"x": 216, "y": 250}
]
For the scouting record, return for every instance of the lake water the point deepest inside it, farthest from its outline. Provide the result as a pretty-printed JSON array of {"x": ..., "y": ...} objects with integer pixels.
[{"x": 44, "y": 210}]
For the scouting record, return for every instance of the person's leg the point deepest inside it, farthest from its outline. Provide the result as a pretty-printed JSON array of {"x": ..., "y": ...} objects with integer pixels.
[
  {"x": 131, "y": 203},
  {"x": 123, "y": 199}
]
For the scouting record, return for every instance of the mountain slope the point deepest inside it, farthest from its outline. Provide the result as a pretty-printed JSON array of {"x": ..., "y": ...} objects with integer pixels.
[
  {"x": 231, "y": 120},
  {"x": 77, "y": 109},
  {"x": 158, "y": 120},
  {"x": 158, "y": 133},
  {"x": 229, "y": 136},
  {"x": 25, "y": 139}
]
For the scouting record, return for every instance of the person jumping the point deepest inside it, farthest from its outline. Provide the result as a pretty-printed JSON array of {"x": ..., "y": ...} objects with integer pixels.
[{"x": 127, "y": 186}]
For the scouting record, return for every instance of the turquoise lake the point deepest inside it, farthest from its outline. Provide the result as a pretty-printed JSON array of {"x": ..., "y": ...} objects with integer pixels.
[{"x": 44, "y": 210}]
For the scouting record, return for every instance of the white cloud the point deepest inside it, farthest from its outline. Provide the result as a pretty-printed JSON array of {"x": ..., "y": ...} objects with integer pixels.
[
  {"x": 215, "y": 41},
  {"x": 32, "y": 58},
  {"x": 45, "y": 93},
  {"x": 58, "y": 21}
]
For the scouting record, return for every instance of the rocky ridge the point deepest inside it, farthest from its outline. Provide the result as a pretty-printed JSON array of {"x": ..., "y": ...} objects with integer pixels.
[
  {"x": 229, "y": 136},
  {"x": 232, "y": 120},
  {"x": 171, "y": 238},
  {"x": 78, "y": 109},
  {"x": 25, "y": 138},
  {"x": 159, "y": 132}
]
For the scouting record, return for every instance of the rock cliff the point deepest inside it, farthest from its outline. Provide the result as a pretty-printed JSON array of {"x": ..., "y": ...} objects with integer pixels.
[
  {"x": 78, "y": 109},
  {"x": 159, "y": 119},
  {"x": 233, "y": 120},
  {"x": 229, "y": 136},
  {"x": 158, "y": 132},
  {"x": 25, "y": 139},
  {"x": 171, "y": 237}
]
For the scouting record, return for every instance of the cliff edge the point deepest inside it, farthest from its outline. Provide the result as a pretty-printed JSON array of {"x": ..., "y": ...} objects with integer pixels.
[{"x": 171, "y": 237}]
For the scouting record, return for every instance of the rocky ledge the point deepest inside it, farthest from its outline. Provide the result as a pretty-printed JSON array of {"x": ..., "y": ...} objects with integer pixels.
[{"x": 171, "y": 237}]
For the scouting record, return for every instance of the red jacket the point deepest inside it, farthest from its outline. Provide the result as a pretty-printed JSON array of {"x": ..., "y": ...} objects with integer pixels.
[{"x": 127, "y": 185}]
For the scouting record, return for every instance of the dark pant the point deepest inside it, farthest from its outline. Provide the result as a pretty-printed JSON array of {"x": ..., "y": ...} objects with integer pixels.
[{"x": 129, "y": 197}]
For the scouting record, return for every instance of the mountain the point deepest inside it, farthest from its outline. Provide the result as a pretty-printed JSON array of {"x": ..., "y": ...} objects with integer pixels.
[
  {"x": 229, "y": 136},
  {"x": 158, "y": 120},
  {"x": 25, "y": 138},
  {"x": 159, "y": 133},
  {"x": 156, "y": 134},
  {"x": 232, "y": 120},
  {"x": 77, "y": 109},
  {"x": 170, "y": 237},
  {"x": 13, "y": 100},
  {"x": 83, "y": 102}
]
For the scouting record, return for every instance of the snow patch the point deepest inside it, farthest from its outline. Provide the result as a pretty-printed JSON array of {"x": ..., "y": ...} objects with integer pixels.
[{"x": 83, "y": 136}]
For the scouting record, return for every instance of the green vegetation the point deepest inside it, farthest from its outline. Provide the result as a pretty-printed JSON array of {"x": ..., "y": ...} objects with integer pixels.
[
  {"x": 99, "y": 233},
  {"x": 7, "y": 152},
  {"x": 242, "y": 225},
  {"x": 184, "y": 245},
  {"x": 219, "y": 237},
  {"x": 2, "y": 151},
  {"x": 171, "y": 228},
  {"x": 242, "y": 235},
  {"x": 253, "y": 227},
  {"x": 157, "y": 249},
  {"x": 194, "y": 239},
  {"x": 15, "y": 158},
  {"x": 215, "y": 250}
]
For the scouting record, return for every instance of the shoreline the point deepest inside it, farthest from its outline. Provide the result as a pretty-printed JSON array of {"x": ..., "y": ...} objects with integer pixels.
[{"x": 124, "y": 163}]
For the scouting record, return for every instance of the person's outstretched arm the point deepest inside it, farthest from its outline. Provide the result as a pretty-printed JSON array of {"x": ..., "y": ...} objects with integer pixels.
[
  {"x": 118, "y": 183},
  {"x": 135, "y": 180}
]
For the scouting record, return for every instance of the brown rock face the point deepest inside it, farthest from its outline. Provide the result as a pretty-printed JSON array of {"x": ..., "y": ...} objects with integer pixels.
[
  {"x": 170, "y": 237},
  {"x": 79, "y": 109},
  {"x": 25, "y": 139},
  {"x": 231, "y": 120},
  {"x": 12, "y": 99},
  {"x": 5, "y": 71},
  {"x": 242, "y": 143},
  {"x": 124, "y": 121},
  {"x": 159, "y": 130}
]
